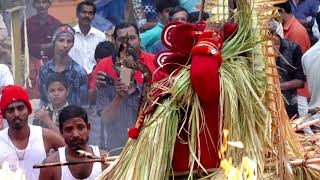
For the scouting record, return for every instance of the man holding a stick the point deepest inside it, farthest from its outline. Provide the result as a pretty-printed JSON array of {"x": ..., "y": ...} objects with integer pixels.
[{"x": 74, "y": 127}]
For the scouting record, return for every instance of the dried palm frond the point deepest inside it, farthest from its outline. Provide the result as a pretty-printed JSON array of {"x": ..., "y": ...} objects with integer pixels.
[{"x": 150, "y": 156}]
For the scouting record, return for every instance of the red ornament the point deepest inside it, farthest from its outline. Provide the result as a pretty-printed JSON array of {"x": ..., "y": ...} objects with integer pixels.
[{"x": 133, "y": 133}]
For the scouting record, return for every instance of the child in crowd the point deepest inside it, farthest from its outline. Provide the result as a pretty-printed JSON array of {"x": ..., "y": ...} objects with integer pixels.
[{"x": 57, "y": 92}]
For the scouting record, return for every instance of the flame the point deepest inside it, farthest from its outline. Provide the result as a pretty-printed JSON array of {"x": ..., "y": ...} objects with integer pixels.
[
  {"x": 7, "y": 174},
  {"x": 248, "y": 169}
]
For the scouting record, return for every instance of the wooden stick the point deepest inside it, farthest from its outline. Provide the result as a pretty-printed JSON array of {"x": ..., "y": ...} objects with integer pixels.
[
  {"x": 46, "y": 165},
  {"x": 313, "y": 166},
  {"x": 302, "y": 119},
  {"x": 104, "y": 160},
  {"x": 201, "y": 12},
  {"x": 307, "y": 124},
  {"x": 302, "y": 162}
]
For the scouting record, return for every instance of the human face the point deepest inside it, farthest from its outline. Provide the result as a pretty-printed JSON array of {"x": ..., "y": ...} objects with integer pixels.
[
  {"x": 41, "y": 6},
  {"x": 75, "y": 133},
  {"x": 134, "y": 40},
  {"x": 57, "y": 94},
  {"x": 17, "y": 115},
  {"x": 85, "y": 15},
  {"x": 63, "y": 44},
  {"x": 164, "y": 15},
  {"x": 181, "y": 16}
]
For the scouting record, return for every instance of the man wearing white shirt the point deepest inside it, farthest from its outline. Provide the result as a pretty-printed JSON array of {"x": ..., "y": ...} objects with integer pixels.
[
  {"x": 6, "y": 77},
  {"x": 86, "y": 37},
  {"x": 311, "y": 65}
]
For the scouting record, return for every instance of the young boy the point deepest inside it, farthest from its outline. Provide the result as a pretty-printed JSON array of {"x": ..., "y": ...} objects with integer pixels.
[{"x": 57, "y": 92}]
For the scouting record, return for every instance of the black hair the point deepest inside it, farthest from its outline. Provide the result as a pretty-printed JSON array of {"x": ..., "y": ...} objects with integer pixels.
[
  {"x": 56, "y": 77},
  {"x": 175, "y": 10},
  {"x": 286, "y": 6},
  {"x": 194, "y": 16},
  {"x": 87, "y": 3},
  {"x": 72, "y": 111},
  {"x": 318, "y": 19},
  {"x": 123, "y": 26},
  {"x": 104, "y": 49},
  {"x": 163, "y": 4}
]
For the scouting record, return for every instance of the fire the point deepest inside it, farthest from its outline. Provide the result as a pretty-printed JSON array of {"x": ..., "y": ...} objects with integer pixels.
[
  {"x": 7, "y": 174},
  {"x": 248, "y": 169}
]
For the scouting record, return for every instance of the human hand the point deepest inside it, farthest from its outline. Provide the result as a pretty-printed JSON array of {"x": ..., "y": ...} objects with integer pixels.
[
  {"x": 121, "y": 88},
  {"x": 102, "y": 79},
  {"x": 42, "y": 115}
]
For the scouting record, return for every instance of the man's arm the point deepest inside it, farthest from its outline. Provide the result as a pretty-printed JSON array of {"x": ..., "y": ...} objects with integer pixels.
[
  {"x": 43, "y": 116},
  {"x": 109, "y": 104},
  {"x": 51, "y": 173},
  {"x": 52, "y": 140}
]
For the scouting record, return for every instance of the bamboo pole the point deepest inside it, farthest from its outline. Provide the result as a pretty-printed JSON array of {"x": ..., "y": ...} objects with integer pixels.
[
  {"x": 301, "y": 162},
  {"x": 304, "y": 125},
  {"x": 16, "y": 43},
  {"x": 302, "y": 119}
]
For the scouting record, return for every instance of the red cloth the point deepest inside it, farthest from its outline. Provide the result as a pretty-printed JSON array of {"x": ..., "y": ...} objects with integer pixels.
[
  {"x": 204, "y": 68},
  {"x": 13, "y": 93},
  {"x": 106, "y": 65}
]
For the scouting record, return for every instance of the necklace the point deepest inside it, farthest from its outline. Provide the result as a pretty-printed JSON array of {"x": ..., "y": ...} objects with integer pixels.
[
  {"x": 23, "y": 152},
  {"x": 20, "y": 158}
]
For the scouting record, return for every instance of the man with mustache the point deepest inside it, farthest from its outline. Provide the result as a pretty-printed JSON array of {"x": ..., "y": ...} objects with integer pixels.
[
  {"x": 86, "y": 37},
  {"x": 74, "y": 127},
  {"x": 62, "y": 63},
  {"x": 23, "y": 145},
  {"x": 118, "y": 101}
]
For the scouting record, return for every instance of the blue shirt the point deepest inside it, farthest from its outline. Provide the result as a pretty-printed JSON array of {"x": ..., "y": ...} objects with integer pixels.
[
  {"x": 305, "y": 9},
  {"x": 114, "y": 130},
  {"x": 75, "y": 76},
  {"x": 157, "y": 47},
  {"x": 151, "y": 36}
]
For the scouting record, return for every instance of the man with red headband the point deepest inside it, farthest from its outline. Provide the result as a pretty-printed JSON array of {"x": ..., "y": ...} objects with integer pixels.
[
  {"x": 62, "y": 63},
  {"x": 23, "y": 145}
]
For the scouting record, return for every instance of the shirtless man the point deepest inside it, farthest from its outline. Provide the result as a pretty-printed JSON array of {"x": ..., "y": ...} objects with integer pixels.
[{"x": 74, "y": 127}]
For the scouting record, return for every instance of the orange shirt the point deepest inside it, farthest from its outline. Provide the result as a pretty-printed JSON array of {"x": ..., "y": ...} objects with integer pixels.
[{"x": 295, "y": 31}]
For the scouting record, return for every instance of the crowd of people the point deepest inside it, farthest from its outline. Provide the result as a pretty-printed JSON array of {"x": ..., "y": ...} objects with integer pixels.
[{"x": 85, "y": 97}]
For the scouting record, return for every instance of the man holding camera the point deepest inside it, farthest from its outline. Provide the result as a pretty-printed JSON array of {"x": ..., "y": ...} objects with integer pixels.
[{"x": 119, "y": 88}]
